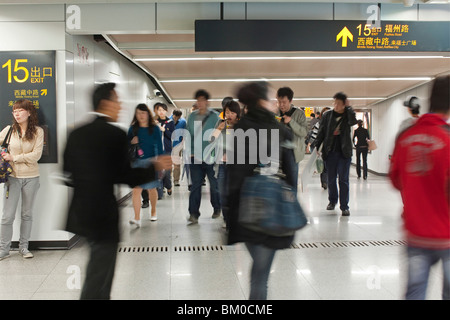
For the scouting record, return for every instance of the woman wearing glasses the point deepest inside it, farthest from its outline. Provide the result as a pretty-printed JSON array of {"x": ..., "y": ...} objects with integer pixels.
[{"x": 23, "y": 153}]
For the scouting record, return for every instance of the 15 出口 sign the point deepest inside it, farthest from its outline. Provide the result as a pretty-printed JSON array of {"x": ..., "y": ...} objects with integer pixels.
[{"x": 31, "y": 75}]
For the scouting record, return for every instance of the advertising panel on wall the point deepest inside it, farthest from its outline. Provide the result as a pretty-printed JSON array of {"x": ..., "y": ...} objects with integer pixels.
[{"x": 31, "y": 75}]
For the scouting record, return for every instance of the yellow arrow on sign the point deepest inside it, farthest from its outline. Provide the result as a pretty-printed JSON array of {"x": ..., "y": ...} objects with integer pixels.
[
  {"x": 43, "y": 92},
  {"x": 345, "y": 34}
]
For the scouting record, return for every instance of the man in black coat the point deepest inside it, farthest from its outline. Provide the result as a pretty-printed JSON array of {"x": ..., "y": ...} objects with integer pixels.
[
  {"x": 335, "y": 134},
  {"x": 96, "y": 158}
]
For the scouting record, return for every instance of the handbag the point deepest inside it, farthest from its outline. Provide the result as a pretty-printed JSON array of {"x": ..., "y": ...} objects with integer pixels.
[
  {"x": 5, "y": 166},
  {"x": 270, "y": 206},
  {"x": 134, "y": 151},
  {"x": 319, "y": 164},
  {"x": 372, "y": 145}
]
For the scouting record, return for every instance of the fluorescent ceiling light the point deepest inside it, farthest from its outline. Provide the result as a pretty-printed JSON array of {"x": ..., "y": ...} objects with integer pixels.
[
  {"x": 241, "y": 80},
  {"x": 325, "y": 99},
  {"x": 296, "y": 99},
  {"x": 301, "y": 79},
  {"x": 286, "y": 58},
  {"x": 381, "y": 79},
  {"x": 171, "y": 59}
]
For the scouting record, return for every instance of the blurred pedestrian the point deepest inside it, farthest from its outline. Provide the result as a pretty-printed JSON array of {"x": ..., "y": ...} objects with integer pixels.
[
  {"x": 180, "y": 123},
  {"x": 335, "y": 134},
  {"x": 167, "y": 127},
  {"x": 260, "y": 118},
  {"x": 23, "y": 153},
  {"x": 413, "y": 105},
  {"x": 312, "y": 121},
  {"x": 199, "y": 123},
  {"x": 96, "y": 158},
  {"x": 147, "y": 136},
  {"x": 420, "y": 170},
  {"x": 232, "y": 112},
  {"x": 310, "y": 146},
  {"x": 362, "y": 148}
]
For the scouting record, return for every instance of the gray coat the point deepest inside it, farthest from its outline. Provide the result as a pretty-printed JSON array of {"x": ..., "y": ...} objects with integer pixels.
[{"x": 299, "y": 129}]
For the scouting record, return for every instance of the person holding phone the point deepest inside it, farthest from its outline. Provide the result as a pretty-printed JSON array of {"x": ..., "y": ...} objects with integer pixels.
[{"x": 23, "y": 153}]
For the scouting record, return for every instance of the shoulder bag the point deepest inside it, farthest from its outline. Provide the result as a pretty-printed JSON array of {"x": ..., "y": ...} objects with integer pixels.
[
  {"x": 5, "y": 166},
  {"x": 270, "y": 206},
  {"x": 372, "y": 145},
  {"x": 134, "y": 151}
]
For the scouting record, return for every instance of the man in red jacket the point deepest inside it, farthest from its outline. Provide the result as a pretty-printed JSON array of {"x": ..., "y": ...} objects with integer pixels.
[{"x": 420, "y": 169}]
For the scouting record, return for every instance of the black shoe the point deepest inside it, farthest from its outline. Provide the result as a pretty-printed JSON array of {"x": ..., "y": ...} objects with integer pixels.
[
  {"x": 324, "y": 186},
  {"x": 145, "y": 204},
  {"x": 169, "y": 192},
  {"x": 345, "y": 213},
  {"x": 365, "y": 178},
  {"x": 176, "y": 184},
  {"x": 331, "y": 206},
  {"x": 216, "y": 214}
]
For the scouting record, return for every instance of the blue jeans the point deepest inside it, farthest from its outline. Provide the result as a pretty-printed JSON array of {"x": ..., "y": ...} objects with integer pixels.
[
  {"x": 198, "y": 173},
  {"x": 420, "y": 261},
  {"x": 262, "y": 261},
  {"x": 336, "y": 166},
  {"x": 165, "y": 182}
]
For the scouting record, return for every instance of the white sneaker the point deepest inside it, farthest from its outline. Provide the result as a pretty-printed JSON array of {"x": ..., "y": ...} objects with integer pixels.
[
  {"x": 25, "y": 253},
  {"x": 136, "y": 222},
  {"x": 153, "y": 218}
]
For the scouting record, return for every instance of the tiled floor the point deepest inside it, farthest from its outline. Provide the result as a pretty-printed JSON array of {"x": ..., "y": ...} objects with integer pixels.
[{"x": 356, "y": 257}]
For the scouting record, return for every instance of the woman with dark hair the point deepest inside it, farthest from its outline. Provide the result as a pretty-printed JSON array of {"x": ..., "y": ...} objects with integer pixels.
[
  {"x": 147, "y": 135},
  {"x": 167, "y": 127},
  {"x": 232, "y": 114},
  {"x": 24, "y": 151},
  {"x": 260, "y": 119}
]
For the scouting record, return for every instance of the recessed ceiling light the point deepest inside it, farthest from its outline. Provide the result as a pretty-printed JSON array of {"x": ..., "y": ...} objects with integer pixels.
[
  {"x": 296, "y": 99},
  {"x": 302, "y": 79},
  {"x": 284, "y": 58}
]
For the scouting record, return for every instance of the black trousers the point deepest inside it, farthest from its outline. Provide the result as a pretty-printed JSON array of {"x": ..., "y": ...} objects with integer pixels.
[
  {"x": 100, "y": 270},
  {"x": 363, "y": 152}
]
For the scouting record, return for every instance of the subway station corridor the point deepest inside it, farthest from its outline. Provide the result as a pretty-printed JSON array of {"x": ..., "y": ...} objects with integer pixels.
[{"x": 334, "y": 258}]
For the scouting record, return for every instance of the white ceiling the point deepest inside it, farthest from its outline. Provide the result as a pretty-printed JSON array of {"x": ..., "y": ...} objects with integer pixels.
[
  {"x": 165, "y": 34},
  {"x": 314, "y": 77},
  {"x": 169, "y": 55}
]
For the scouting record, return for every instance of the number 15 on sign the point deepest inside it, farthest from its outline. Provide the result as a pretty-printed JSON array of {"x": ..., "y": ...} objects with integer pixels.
[{"x": 16, "y": 70}]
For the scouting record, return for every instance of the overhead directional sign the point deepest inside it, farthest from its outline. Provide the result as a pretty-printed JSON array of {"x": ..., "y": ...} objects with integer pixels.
[
  {"x": 321, "y": 35},
  {"x": 345, "y": 34}
]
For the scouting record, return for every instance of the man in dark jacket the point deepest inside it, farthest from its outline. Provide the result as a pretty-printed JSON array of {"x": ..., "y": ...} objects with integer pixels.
[
  {"x": 96, "y": 159},
  {"x": 335, "y": 134}
]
